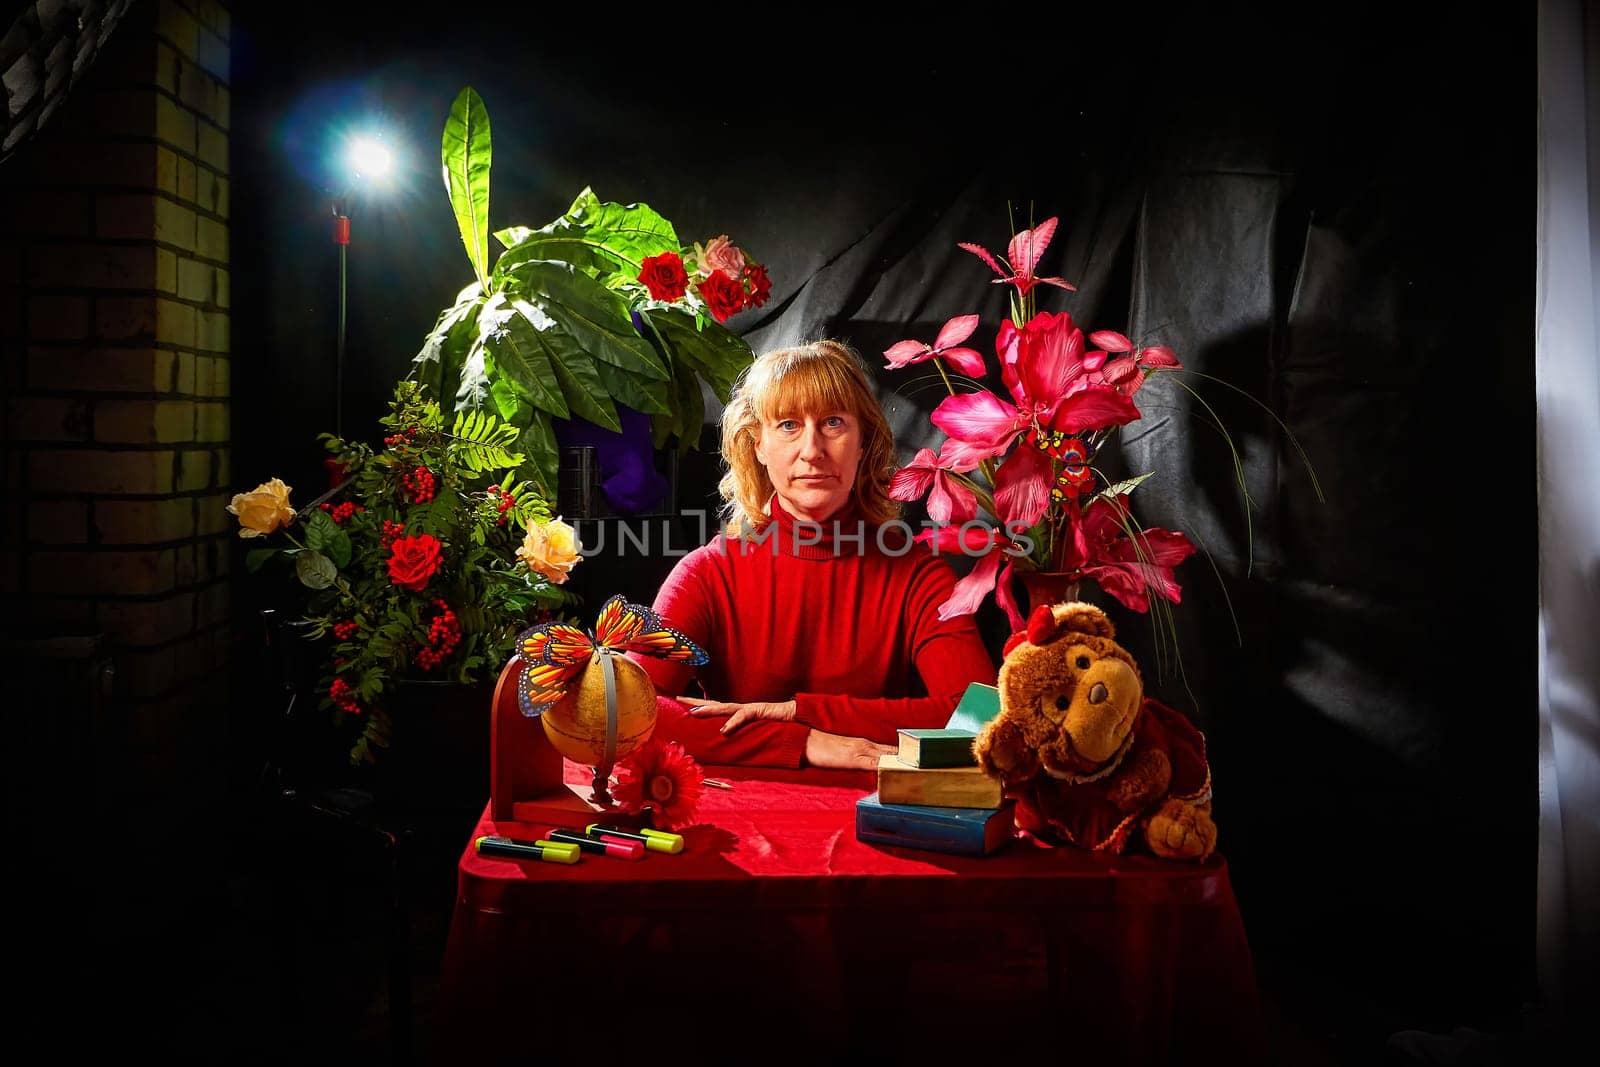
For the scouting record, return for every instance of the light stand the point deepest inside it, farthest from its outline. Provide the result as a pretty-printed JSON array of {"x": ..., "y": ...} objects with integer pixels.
[{"x": 341, "y": 237}]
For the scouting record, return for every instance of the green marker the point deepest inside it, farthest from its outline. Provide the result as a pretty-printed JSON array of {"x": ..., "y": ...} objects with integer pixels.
[{"x": 542, "y": 851}]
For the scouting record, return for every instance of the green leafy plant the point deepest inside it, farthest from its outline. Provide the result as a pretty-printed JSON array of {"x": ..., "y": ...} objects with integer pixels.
[
  {"x": 434, "y": 558},
  {"x": 602, "y": 307}
]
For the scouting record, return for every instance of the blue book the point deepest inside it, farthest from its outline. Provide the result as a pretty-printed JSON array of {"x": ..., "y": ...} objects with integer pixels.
[
  {"x": 979, "y": 704},
  {"x": 959, "y": 831}
]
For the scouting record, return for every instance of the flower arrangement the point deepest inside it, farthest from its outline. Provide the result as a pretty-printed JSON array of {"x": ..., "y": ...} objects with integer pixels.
[
  {"x": 1027, "y": 458},
  {"x": 597, "y": 312},
  {"x": 432, "y": 560},
  {"x": 726, "y": 278}
]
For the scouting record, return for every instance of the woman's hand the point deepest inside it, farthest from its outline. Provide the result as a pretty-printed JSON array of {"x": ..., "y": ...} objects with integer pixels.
[
  {"x": 840, "y": 753},
  {"x": 739, "y": 714}
]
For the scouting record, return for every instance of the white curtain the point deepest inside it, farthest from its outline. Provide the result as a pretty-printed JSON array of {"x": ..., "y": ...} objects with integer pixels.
[{"x": 1568, "y": 399}]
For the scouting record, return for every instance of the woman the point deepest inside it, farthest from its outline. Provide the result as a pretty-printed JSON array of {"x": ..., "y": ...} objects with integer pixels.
[{"x": 818, "y": 618}]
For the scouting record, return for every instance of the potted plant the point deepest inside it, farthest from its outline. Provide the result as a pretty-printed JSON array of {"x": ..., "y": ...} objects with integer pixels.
[
  {"x": 422, "y": 565},
  {"x": 602, "y": 316}
]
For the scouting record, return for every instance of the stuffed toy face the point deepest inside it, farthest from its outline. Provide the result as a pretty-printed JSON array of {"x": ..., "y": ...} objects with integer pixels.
[{"x": 1071, "y": 694}]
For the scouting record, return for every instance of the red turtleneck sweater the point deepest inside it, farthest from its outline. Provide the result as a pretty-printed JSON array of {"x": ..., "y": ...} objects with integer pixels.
[{"x": 846, "y": 630}]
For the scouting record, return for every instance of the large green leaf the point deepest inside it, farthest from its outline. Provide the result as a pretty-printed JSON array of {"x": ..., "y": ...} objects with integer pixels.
[
  {"x": 510, "y": 406},
  {"x": 718, "y": 354},
  {"x": 465, "y": 152},
  {"x": 537, "y": 441},
  {"x": 691, "y": 409},
  {"x": 598, "y": 319},
  {"x": 439, "y": 365},
  {"x": 640, "y": 394},
  {"x": 586, "y": 394},
  {"x": 598, "y": 236},
  {"x": 512, "y": 236},
  {"x": 520, "y": 356}
]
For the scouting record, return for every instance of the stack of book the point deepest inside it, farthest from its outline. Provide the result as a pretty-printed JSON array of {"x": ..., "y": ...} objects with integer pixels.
[{"x": 932, "y": 794}]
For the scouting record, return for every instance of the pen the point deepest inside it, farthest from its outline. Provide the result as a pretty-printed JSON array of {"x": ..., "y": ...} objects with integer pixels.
[
  {"x": 543, "y": 851},
  {"x": 622, "y": 850},
  {"x": 654, "y": 840}
]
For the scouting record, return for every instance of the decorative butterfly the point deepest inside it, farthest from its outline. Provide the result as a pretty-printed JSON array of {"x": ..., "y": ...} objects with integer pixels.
[
  {"x": 1075, "y": 475},
  {"x": 553, "y": 653}
]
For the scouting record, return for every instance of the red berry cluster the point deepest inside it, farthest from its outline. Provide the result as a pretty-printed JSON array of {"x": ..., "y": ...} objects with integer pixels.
[
  {"x": 421, "y": 484},
  {"x": 401, "y": 438},
  {"x": 505, "y": 504},
  {"x": 344, "y": 695},
  {"x": 444, "y": 634},
  {"x": 344, "y": 631},
  {"x": 392, "y": 532},
  {"x": 341, "y": 512}
]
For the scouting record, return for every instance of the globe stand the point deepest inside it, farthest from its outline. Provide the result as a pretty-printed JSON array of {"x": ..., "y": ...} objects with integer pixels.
[{"x": 526, "y": 773}]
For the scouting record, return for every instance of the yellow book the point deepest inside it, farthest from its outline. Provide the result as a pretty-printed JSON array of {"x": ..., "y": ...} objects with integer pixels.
[{"x": 942, "y": 787}]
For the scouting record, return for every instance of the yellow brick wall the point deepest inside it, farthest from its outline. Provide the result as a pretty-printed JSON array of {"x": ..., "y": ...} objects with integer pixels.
[{"x": 114, "y": 343}]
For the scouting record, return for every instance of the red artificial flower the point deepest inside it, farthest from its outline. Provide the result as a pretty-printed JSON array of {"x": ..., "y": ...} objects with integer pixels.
[
  {"x": 413, "y": 561},
  {"x": 723, "y": 295},
  {"x": 664, "y": 276},
  {"x": 663, "y": 777},
  {"x": 760, "y": 286},
  {"x": 1128, "y": 562}
]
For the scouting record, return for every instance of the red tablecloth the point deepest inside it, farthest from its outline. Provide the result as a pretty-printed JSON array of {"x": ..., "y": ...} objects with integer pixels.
[{"x": 776, "y": 932}]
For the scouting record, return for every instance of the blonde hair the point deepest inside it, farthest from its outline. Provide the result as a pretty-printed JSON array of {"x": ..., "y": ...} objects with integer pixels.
[{"x": 820, "y": 376}]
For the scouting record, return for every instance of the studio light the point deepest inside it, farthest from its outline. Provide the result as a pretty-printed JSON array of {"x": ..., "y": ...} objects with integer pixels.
[{"x": 368, "y": 163}]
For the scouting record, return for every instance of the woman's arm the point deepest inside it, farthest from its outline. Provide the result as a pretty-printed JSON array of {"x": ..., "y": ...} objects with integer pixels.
[{"x": 947, "y": 663}]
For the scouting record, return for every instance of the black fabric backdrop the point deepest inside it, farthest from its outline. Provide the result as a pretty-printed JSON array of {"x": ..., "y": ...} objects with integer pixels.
[{"x": 1336, "y": 218}]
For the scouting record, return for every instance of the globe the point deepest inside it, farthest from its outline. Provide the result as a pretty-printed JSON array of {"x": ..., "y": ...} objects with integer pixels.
[{"x": 576, "y": 724}]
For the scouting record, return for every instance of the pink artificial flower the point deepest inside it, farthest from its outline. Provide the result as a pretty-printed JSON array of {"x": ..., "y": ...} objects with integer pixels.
[
  {"x": 966, "y": 360},
  {"x": 1025, "y": 251},
  {"x": 721, "y": 254},
  {"x": 1042, "y": 365},
  {"x": 989, "y": 545},
  {"x": 1022, "y": 486},
  {"x": 949, "y": 501},
  {"x": 1126, "y": 373}
]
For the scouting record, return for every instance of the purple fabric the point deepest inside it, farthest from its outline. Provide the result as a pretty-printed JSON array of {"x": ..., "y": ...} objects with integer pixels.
[{"x": 626, "y": 460}]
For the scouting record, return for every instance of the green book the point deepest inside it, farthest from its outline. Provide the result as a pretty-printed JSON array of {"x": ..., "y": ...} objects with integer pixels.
[
  {"x": 937, "y": 748},
  {"x": 979, "y": 704}
]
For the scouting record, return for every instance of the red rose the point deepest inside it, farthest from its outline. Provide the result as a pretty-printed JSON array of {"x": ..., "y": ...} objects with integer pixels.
[
  {"x": 723, "y": 295},
  {"x": 664, "y": 276},
  {"x": 760, "y": 285},
  {"x": 414, "y": 560}
]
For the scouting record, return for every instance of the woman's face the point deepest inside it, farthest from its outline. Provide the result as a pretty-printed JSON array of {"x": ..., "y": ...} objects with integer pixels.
[{"x": 812, "y": 460}]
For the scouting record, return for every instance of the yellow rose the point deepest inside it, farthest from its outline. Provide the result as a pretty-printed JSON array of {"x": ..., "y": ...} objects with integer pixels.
[
  {"x": 263, "y": 510},
  {"x": 550, "y": 549}
]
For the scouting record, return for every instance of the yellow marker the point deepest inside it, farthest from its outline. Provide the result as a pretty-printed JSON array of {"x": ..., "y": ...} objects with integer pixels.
[
  {"x": 654, "y": 840},
  {"x": 543, "y": 851}
]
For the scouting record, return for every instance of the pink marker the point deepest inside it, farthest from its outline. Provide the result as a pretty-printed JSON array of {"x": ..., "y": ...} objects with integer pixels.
[{"x": 614, "y": 847}]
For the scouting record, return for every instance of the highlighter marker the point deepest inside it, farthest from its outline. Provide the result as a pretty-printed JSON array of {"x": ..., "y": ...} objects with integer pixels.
[
  {"x": 543, "y": 851},
  {"x": 654, "y": 840},
  {"x": 622, "y": 850}
]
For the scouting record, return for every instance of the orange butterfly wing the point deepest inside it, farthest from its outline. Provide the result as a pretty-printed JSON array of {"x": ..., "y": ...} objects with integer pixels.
[
  {"x": 541, "y": 685},
  {"x": 552, "y": 654},
  {"x": 619, "y": 622}
]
